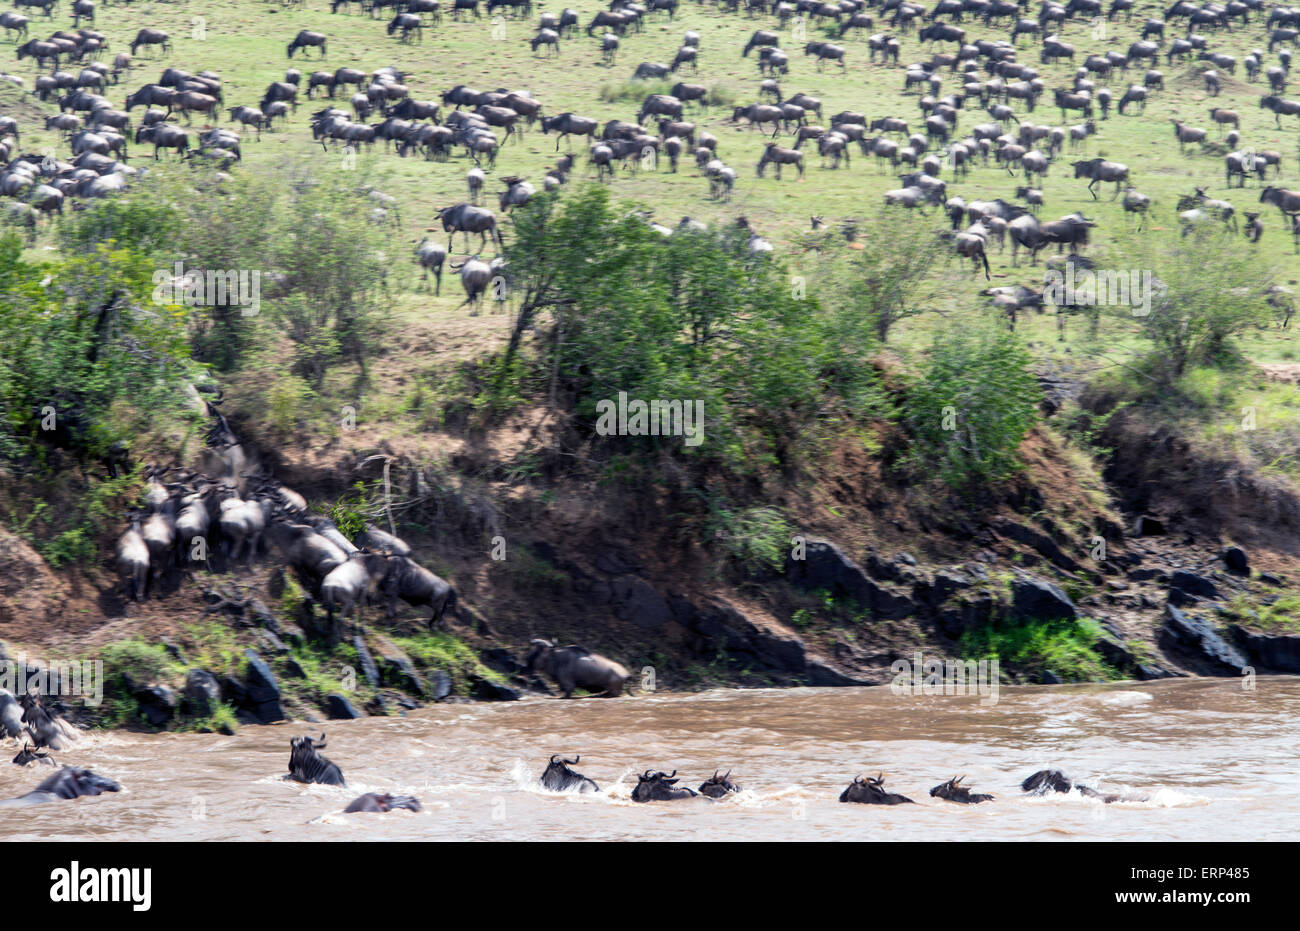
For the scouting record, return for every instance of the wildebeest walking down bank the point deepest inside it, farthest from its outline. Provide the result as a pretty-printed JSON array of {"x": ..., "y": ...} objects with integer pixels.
[{"x": 575, "y": 667}]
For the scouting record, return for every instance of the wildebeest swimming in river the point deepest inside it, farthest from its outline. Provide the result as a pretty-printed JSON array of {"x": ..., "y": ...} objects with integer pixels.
[
  {"x": 659, "y": 787},
  {"x": 306, "y": 765},
  {"x": 871, "y": 791},
  {"x": 559, "y": 778},
  {"x": 44, "y": 725},
  {"x": 953, "y": 792},
  {"x": 718, "y": 786},
  {"x": 1053, "y": 780},
  {"x": 381, "y": 803},
  {"x": 575, "y": 667},
  {"x": 29, "y": 755},
  {"x": 68, "y": 783}
]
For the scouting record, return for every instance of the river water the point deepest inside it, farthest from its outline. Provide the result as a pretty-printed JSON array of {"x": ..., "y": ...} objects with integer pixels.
[{"x": 1212, "y": 761}]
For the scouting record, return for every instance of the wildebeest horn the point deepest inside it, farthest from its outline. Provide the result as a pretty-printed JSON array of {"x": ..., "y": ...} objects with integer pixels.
[
  {"x": 725, "y": 776},
  {"x": 553, "y": 756},
  {"x": 672, "y": 774},
  {"x": 576, "y": 759}
]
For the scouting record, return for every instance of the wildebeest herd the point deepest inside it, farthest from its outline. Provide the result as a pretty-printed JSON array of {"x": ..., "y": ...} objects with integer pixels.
[
  {"x": 955, "y": 72},
  {"x": 29, "y": 719}
]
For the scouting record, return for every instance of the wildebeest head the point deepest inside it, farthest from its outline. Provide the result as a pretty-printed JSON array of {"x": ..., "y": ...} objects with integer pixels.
[
  {"x": 536, "y": 650},
  {"x": 29, "y": 754},
  {"x": 74, "y": 782},
  {"x": 659, "y": 787},
  {"x": 954, "y": 792},
  {"x": 560, "y": 778},
  {"x": 1046, "y": 780},
  {"x": 718, "y": 786},
  {"x": 871, "y": 791}
]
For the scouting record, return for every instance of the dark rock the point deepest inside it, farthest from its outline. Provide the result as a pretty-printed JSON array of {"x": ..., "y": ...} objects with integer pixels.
[
  {"x": 1147, "y": 526},
  {"x": 233, "y": 691},
  {"x": 340, "y": 709},
  {"x": 1280, "y": 653},
  {"x": 1193, "y": 584},
  {"x": 968, "y": 612},
  {"x": 1234, "y": 557},
  {"x": 1270, "y": 579},
  {"x": 614, "y": 561},
  {"x": 157, "y": 702},
  {"x": 202, "y": 693},
  {"x": 263, "y": 690},
  {"x": 273, "y": 644},
  {"x": 1198, "y": 637},
  {"x": 439, "y": 684},
  {"x": 293, "y": 669},
  {"x": 396, "y": 668},
  {"x": 1043, "y": 544},
  {"x": 368, "y": 668},
  {"x": 826, "y": 566},
  {"x": 726, "y": 629},
  {"x": 1034, "y": 599},
  {"x": 1180, "y": 599},
  {"x": 640, "y": 604},
  {"x": 1047, "y": 677},
  {"x": 1148, "y": 575},
  {"x": 501, "y": 660},
  {"x": 487, "y": 690},
  {"x": 821, "y": 675}
]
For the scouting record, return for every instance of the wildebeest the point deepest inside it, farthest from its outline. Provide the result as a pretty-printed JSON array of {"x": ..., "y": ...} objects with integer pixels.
[
  {"x": 569, "y": 124},
  {"x": 718, "y": 786},
  {"x": 558, "y": 777},
  {"x": 576, "y": 667},
  {"x": 953, "y": 792},
  {"x": 1053, "y": 780},
  {"x": 306, "y": 765},
  {"x": 68, "y": 783},
  {"x": 1099, "y": 170},
  {"x": 347, "y": 586},
  {"x": 306, "y": 39},
  {"x": 29, "y": 755},
  {"x": 44, "y": 725},
  {"x": 152, "y": 37},
  {"x": 430, "y": 256},
  {"x": 778, "y": 156},
  {"x": 871, "y": 791},
  {"x": 466, "y": 218},
  {"x": 372, "y": 802},
  {"x": 659, "y": 787},
  {"x": 417, "y": 586}
]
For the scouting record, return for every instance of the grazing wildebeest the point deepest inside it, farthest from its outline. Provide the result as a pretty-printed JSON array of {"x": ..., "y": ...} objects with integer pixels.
[
  {"x": 68, "y": 783},
  {"x": 761, "y": 38},
  {"x": 778, "y": 156},
  {"x": 659, "y": 787},
  {"x": 871, "y": 791},
  {"x": 575, "y": 667},
  {"x": 372, "y": 802},
  {"x": 558, "y": 777},
  {"x": 152, "y": 37},
  {"x": 1053, "y": 780},
  {"x": 953, "y": 792},
  {"x": 306, "y": 765},
  {"x": 718, "y": 786},
  {"x": 306, "y": 39}
]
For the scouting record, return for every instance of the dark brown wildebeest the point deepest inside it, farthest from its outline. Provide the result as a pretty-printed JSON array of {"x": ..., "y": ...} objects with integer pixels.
[
  {"x": 871, "y": 791},
  {"x": 306, "y": 765},
  {"x": 953, "y": 792},
  {"x": 575, "y": 667},
  {"x": 558, "y": 777},
  {"x": 659, "y": 787}
]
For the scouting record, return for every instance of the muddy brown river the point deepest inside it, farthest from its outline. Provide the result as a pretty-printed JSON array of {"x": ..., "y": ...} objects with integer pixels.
[{"x": 1211, "y": 760}]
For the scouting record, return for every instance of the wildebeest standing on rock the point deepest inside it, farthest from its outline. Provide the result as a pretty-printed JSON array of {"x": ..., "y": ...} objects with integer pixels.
[
  {"x": 558, "y": 777},
  {"x": 575, "y": 667},
  {"x": 306, "y": 765},
  {"x": 68, "y": 783},
  {"x": 954, "y": 792},
  {"x": 871, "y": 791},
  {"x": 659, "y": 787}
]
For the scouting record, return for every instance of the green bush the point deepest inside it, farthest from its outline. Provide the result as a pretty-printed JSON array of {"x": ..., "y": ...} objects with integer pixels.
[{"x": 972, "y": 406}]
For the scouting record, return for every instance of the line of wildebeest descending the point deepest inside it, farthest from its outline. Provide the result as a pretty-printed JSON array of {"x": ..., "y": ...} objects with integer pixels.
[
  {"x": 39, "y": 727},
  {"x": 982, "y": 72}
]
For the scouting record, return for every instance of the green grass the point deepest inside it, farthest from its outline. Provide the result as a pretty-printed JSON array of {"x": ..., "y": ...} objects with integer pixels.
[
  {"x": 1064, "y": 649},
  {"x": 437, "y": 650}
]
